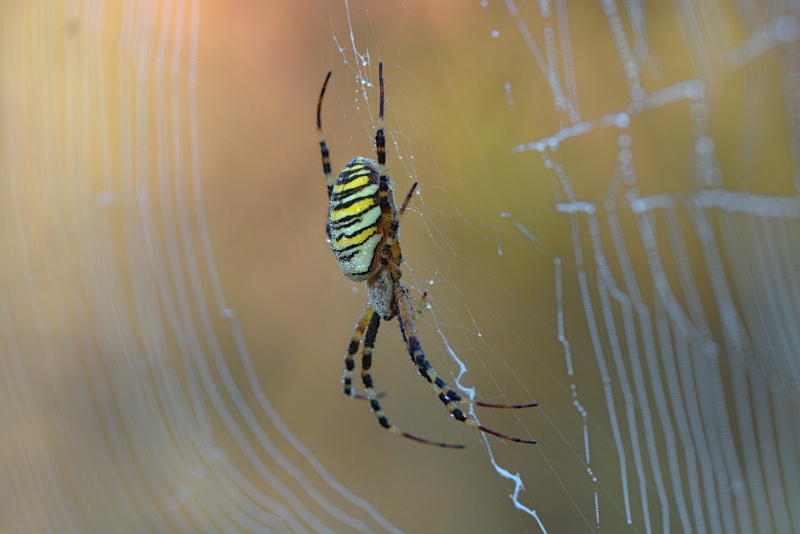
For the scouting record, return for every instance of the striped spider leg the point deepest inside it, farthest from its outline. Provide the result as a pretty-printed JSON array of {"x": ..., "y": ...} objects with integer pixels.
[
  {"x": 366, "y": 364},
  {"x": 355, "y": 343}
]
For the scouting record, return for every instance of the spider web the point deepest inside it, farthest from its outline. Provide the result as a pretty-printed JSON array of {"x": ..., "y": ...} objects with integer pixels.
[{"x": 607, "y": 224}]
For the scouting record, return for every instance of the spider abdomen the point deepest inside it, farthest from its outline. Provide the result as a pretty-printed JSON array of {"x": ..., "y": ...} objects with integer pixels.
[{"x": 357, "y": 228}]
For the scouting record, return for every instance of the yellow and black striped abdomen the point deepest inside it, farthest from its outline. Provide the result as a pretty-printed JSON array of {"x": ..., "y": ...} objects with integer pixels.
[{"x": 355, "y": 219}]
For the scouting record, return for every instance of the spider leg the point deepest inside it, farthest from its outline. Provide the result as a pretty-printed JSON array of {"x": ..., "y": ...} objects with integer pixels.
[
  {"x": 349, "y": 363},
  {"x": 407, "y": 200},
  {"x": 326, "y": 157},
  {"x": 390, "y": 219},
  {"x": 355, "y": 342},
  {"x": 366, "y": 377},
  {"x": 426, "y": 370},
  {"x": 380, "y": 138},
  {"x": 388, "y": 215},
  {"x": 390, "y": 248}
]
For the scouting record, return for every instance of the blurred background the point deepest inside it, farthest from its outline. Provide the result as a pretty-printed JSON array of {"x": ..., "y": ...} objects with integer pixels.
[{"x": 607, "y": 223}]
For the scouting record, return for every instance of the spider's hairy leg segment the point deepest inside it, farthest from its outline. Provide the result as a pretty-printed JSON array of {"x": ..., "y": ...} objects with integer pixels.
[
  {"x": 380, "y": 148},
  {"x": 319, "y": 102},
  {"x": 499, "y": 434},
  {"x": 380, "y": 79},
  {"x": 355, "y": 342},
  {"x": 366, "y": 377},
  {"x": 407, "y": 200},
  {"x": 501, "y": 406},
  {"x": 366, "y": 365},
  {"x": 326, "y": 158},
  {"x": 380, "y": 138}
]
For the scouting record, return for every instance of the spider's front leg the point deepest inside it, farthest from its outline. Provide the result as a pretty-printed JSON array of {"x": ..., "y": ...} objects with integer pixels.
[{"x": 326, "y": 156}]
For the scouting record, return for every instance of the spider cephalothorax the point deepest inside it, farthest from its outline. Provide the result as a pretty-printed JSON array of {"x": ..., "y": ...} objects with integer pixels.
[{"x": 363, "y": 228}]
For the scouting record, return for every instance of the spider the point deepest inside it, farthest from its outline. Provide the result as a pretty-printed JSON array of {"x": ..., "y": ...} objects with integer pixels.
[{"x": 363, "y": 229}]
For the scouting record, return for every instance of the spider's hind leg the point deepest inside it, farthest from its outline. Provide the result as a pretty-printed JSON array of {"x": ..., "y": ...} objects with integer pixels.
[
  {"x": 349, "y": 362},
  {"x": 442, "y": 390},
  {"x": 355, "y": 342},
  {"x": 366, "y": 377}
]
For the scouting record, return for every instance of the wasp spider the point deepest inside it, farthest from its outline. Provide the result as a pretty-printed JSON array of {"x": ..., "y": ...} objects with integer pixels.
[{"x": 363, "y": 228}]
